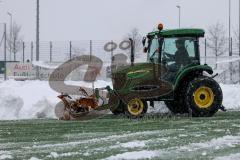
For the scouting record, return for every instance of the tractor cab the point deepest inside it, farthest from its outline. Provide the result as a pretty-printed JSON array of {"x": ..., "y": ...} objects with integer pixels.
[{"x": 175, "y": 49}]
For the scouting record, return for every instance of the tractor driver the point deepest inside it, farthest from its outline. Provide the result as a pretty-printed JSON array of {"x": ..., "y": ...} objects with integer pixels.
[{"x": 181, "y": 57}]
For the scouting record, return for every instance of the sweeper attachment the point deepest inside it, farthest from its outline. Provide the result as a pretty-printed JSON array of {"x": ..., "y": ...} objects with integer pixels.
[{"x": 81, "y": 107}]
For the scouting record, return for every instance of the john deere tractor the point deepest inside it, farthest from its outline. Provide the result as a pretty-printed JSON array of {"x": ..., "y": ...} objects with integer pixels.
[{"x": 172, "y": 74}]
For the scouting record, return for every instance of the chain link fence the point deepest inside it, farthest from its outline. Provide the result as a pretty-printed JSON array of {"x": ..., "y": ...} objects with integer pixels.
[
  {"x": 228, "y": 67},
  {"x": 63, "y": 51},
  {"x": 3, "y": 50},
  {"x": 2, "y": 41}
]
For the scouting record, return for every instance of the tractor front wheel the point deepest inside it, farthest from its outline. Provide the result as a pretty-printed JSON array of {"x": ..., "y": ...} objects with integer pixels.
[
  {"x": 203, "y": 97},
  {"x": 136, "y": 108}
]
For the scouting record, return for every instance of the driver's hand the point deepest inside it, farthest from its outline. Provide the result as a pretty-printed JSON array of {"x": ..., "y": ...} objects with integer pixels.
[
  {"x": 168, "y": 55},
  {"x": 157, "y": 50}
]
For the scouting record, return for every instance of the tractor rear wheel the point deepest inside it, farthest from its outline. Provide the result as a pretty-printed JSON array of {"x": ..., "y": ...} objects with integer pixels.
[
  {"x": 203, "y": 97},
  {"x": 136, "y": 108}
]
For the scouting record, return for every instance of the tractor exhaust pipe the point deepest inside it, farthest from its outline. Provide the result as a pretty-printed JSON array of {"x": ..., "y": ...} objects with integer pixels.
[{"x": 132, "y": 50}]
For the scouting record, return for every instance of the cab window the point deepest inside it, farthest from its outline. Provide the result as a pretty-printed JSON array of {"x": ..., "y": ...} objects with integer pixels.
[
  {"x": 153, "y": 53},
  {"x": 178, "y": 50}
]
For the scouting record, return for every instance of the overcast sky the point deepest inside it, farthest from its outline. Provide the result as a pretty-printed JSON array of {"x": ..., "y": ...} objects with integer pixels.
[{"x": 111, "y": 19}]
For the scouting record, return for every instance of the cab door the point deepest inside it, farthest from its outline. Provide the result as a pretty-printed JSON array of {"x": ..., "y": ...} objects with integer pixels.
[
  {"x": 154, "y": 57},
  {"x": 177, "y": 53},
  {"x": 164, "y": 88}
]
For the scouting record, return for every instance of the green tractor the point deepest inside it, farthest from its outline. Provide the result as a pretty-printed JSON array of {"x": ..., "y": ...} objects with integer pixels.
[{"x": 172, "y": 74}]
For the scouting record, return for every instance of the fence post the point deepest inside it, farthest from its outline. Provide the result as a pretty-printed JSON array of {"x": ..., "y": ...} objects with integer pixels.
[
  {"x": 224, "y": 76},
  {"x": 112, "y": 58},
  {"x": 31, "y": 51},
  {"x": 70, "y": 50},
  {"x": 50, "y": 51},
  {"x": 90, "y": 49},
  {"x": 216, "y": 59},
  {"x": 239, "y": 57},
  {"x": 230, "y": 60},
  {"x": 14, "y": 49},
  {"x": 23, "y": 45},
  {"x": 5, "y": 51},
  {"x": 205, "y": 55},
  {"x": 239, "y": 71}
]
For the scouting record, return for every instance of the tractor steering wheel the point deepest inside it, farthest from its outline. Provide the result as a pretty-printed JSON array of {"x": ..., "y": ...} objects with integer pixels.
[{"x": 167, "y": 58}]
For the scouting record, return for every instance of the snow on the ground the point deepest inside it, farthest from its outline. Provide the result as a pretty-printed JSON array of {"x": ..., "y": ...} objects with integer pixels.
[
  {"x": 235, "y": 156},
  {"x": 35, "y": 99},
  {"x": 26, "y": 99},
  {"x": 231, "y": 96},
  {"x": 172, "y": 152},
  {"x": 228, "y": 60},
  {"x": 34, "y": 158},
  {"x": 45, "y": 65},
  {"x": 133, "y": 144},
  {"x": 5, "y": 155},
  {"x": 134, "y": 155}
]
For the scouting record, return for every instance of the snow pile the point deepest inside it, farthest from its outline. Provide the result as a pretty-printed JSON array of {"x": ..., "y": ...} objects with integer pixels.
[
  {"x": 31, "y": 99},
  {"x": 231, "y": 96},
  {"x": 35, "y": 99},
  {"x": 45, "y": 64},
  {"x": 26, "y": 100}
]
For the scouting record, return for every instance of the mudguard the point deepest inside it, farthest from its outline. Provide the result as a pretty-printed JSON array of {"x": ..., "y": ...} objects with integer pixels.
[{"x": 188, "y": 70}]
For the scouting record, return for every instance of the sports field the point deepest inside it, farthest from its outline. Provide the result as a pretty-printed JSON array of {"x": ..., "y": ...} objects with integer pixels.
[{"x": 156, "y": 136}]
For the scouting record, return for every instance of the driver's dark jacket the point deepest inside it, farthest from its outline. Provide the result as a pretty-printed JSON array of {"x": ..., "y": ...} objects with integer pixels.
[{"x": 181, "y": 57}]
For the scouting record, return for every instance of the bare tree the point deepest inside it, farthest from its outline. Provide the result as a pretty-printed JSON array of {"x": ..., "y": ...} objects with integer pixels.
[
  {"x": 236, "y": 40},
  {"x": 137, "y": 38},
  {"x": 14, "y": 40},
  {"x": 236, "y": 44},
  {"x": 216, "y": 39}
]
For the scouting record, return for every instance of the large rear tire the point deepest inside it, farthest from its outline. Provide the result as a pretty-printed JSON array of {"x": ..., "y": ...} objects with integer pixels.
[{"x": 203, "y": 97}]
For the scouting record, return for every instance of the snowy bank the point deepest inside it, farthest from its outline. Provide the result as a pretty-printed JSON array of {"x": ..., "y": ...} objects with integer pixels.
[
  {"x": 30, "y": 99},
  {"x": 35, "y": 99}
]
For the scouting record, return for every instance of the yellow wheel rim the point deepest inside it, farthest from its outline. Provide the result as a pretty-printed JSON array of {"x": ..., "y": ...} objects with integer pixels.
[
  {"x": 203, "y": 97},
  {"x": 135, "y": 106}
]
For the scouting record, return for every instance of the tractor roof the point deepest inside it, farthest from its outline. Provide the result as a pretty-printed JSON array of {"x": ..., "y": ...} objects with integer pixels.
[{"x": 179, "y": 32}]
